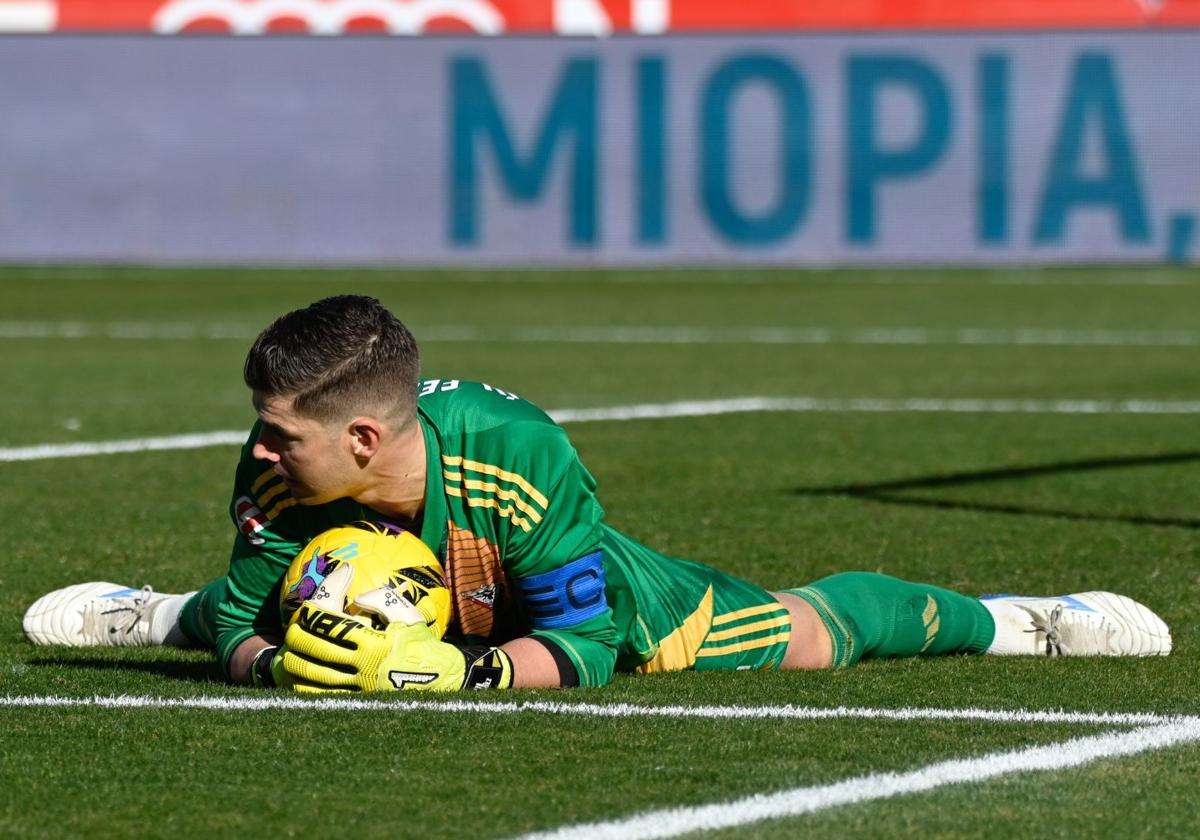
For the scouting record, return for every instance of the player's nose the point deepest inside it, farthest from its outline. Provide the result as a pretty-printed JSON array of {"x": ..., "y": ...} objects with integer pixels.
[{"x": 262, "y": 453}]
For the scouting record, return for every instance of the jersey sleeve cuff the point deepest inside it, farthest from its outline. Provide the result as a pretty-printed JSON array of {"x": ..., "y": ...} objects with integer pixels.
[
  {"x": 228, "y": 642},
  {"x": 568, "y": 674}
]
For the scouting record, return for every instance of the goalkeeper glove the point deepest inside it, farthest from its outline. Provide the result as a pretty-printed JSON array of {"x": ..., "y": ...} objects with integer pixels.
[{"x": 327, "y": 650}]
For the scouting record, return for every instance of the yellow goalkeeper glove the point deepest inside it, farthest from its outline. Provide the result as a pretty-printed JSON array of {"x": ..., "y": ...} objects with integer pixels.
[{"x": 327, "y": 650}]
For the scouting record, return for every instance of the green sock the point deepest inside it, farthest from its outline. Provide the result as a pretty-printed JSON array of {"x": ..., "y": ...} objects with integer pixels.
[
  {"x": 198, "y": 618},
  {"x": 873, "y": 615}
]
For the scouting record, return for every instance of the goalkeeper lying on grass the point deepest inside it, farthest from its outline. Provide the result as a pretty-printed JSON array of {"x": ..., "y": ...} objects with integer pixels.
[{"x": 543, "y": 592}]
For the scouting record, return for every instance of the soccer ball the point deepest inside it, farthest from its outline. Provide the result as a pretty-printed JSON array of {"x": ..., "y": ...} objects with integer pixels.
[{"x": 381, "y": 554}]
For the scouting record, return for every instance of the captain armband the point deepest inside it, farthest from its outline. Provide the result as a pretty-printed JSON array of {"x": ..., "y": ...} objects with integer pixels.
[{"x": 565, "y": 596}]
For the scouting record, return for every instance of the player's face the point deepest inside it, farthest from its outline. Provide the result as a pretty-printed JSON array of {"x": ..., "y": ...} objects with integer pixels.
[{"x": 309, "y": 455}]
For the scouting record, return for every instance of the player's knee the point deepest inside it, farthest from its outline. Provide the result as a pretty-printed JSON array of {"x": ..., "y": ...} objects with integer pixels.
[{"x": 810, "y": 646}]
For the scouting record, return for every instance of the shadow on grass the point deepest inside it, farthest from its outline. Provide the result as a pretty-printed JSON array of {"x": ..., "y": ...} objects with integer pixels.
[
  {"x": 173, "y": 669},
  {"x": 887, "y": 492}
]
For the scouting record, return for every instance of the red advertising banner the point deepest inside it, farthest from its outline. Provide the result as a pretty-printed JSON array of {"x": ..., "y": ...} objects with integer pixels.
[{"x": 581, "y": 17}]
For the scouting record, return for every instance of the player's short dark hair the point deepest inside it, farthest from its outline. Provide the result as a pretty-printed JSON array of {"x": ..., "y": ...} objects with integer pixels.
[{"x": 336, "y": 358}]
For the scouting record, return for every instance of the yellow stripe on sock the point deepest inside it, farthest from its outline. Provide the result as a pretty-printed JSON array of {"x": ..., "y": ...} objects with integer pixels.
[{"x": 933, "y": 622}]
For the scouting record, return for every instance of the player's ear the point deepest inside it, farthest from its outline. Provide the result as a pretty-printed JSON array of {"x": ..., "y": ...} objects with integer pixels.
[{"x": 365, "y": 434}]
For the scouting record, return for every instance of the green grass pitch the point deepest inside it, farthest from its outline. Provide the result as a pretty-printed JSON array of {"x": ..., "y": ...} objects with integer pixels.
[{"x": 1002, "y": 501}]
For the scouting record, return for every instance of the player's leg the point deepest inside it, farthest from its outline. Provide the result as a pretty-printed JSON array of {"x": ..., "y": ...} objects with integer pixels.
[
  {"x": 1084, "y": 624},
  {"x": 873, "y": 615},
  {"x": 810, "y": 646},
  {"x": 108, "y": 614},
  {"x": 753, "y": 629}
]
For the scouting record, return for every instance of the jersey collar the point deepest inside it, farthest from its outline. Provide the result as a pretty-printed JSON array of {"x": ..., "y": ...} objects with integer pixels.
[{"x": 433, "y": 524}]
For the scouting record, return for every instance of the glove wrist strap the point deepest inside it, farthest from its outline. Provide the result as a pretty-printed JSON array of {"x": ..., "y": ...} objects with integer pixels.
[
  {"x": 261, "y": 675},
  {"x": 487, "y": 667}
]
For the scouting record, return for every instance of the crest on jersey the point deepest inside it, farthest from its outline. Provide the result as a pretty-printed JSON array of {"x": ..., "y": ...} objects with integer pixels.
[
  {"x": 484, "y": 595},
  {"x": 250, "y": 520}
]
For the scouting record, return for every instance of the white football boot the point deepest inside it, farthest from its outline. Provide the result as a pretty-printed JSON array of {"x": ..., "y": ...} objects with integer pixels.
[
  {"x": 103, "y": 614},
  {"x": 1084, "y": 624}
]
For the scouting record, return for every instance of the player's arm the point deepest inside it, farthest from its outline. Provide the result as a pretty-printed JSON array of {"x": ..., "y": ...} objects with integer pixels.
[
  {"x": 558, "y": 570},
  {"x": 326, "y": 649},
  {"x": 559, "y": 573},
  {"x": 534, "y": 665},
  {"x": 246, "y": 619}
]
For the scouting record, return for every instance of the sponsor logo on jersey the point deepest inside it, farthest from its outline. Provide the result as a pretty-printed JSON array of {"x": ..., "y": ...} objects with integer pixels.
[
  {"x": 484, "y": 595},
  {"x": 250, "y": 520}
]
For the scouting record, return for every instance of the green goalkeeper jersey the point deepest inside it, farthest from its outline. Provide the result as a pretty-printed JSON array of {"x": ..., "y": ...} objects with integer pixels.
[{"x": 512, "y": 514}]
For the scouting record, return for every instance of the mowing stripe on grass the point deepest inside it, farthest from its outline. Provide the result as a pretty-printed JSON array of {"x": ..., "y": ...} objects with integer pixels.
[
  {"x": 870, "y": 336},
  {"x": 728, "y": 275},
  {"x": 671, "y": 822},
  {"x": 821, "y": 335},
  {"x": 658, "y": 411},
  {"x": 272, "y": 702}
]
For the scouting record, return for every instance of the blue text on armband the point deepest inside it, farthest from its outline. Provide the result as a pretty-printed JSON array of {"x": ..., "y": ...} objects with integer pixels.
[{"x": 565, "y": 596}]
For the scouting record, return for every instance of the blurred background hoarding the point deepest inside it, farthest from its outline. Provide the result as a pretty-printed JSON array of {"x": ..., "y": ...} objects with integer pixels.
[
  {"x": 946, "y": 144},
  {"x": 580, "y": 17}
]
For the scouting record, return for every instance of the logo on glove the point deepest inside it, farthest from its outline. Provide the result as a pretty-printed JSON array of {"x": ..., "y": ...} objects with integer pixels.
[
  {"x": 402, "y": 678},
  {"x": 327, "y": 625}
]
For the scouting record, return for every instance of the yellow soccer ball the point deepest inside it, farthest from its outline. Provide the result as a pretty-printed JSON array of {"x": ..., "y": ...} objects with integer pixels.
[{"x": 381, "y": 554}]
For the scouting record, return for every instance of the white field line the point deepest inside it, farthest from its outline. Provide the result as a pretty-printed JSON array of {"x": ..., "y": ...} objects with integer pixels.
[
  {"x": 115, "y": 447},
  {"x": 671, "y": 822},
  {"x": 816, "y": 335},
  {"x": 658, "y": 411},
  {"x": 274, "y": 702}
]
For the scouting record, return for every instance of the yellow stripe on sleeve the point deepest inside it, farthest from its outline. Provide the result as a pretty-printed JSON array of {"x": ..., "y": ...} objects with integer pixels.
[
  {"x": 271, "y": 494},
  {"x": 503, "y": 475},
  {"x": 285, "y": 504},
  {"x": 262, "y": 479},
  {"x": 506, "y": 496},
  {"x": 489, "y": 502}
]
